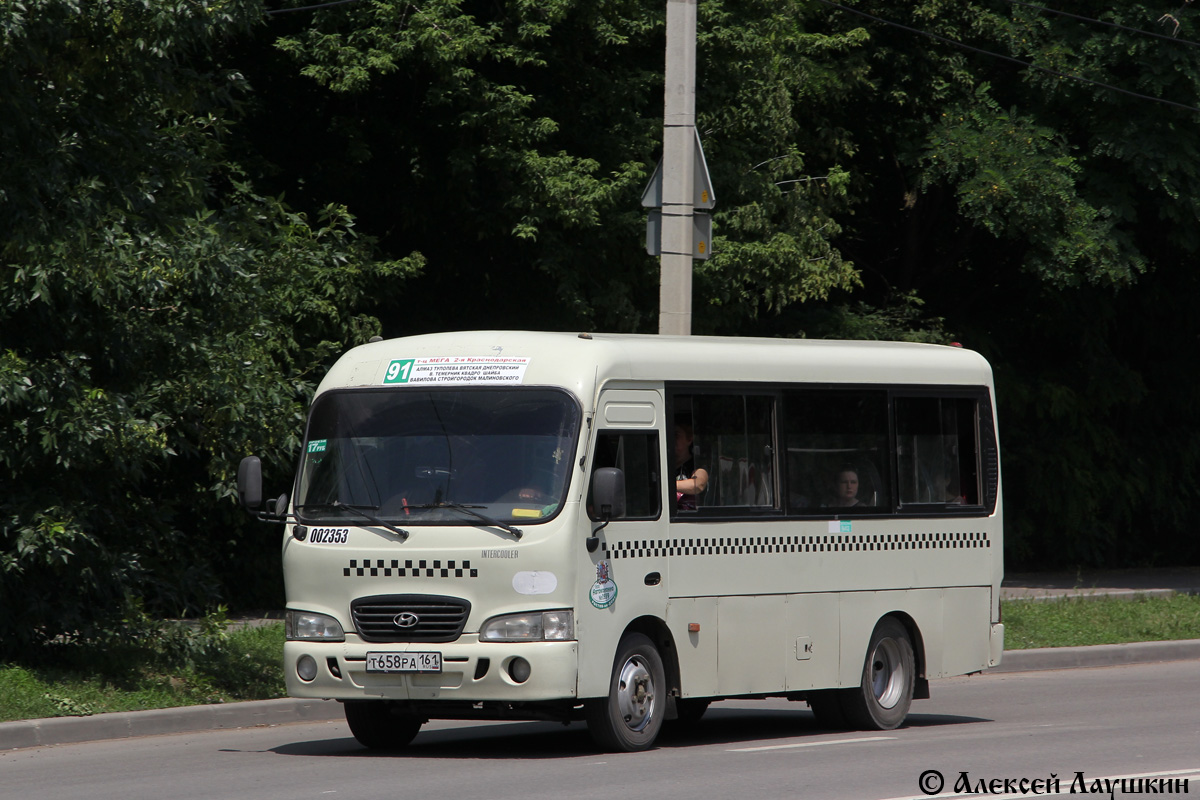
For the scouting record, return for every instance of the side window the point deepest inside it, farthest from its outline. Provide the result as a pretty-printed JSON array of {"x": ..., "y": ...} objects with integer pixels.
[
  {"x": 724, "y": 444},
  {"x": 938, "y": 450},
  {"x": 837, "y": 451},
  {"x": 636, "y": 455}
]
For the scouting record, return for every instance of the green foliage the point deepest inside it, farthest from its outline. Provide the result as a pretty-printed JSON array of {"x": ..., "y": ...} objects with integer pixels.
[
  {"x": 902, "y": 319},
  {"x": 1017, "y": 180},
  {"x": 517, "y": 138},
  {"x": 147, "y": 665},
  {"x": 455, "y": 164},
  {"x": 775, "y": 223},
  {"x": 159, "y": 318},
  {"x": 1050, "y": 224}
]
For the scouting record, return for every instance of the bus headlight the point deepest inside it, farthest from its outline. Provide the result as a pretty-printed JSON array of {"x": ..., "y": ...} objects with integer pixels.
[
  {"x": 309, "y": 625},
  {"x": 537, "y": 626}
]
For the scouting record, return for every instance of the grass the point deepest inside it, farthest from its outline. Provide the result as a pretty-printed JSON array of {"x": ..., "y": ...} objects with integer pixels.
[
  {"x": 188, "y": 668},
  {"x": 180, "y": 666},
  {"x": 1078, "y": 621}
]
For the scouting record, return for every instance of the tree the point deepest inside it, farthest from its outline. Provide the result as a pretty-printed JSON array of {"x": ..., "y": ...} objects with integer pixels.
[
  {"x": 874, "y": 178},
  {"x": 1049, "y": 222},
  {"x": 159, "y": 318},
  {"x": 163, "y": 311},
  {"x": 509, "y": 143}
]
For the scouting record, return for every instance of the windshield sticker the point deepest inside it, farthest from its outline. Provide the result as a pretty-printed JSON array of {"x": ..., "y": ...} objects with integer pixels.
[
  {"x": 535, "y": 582},
  {"x": 456, "y": 370},
  {"x": 317, "y": 445},
  {"x": 604, "y": 590},
  {"x": 534, "y": 513}
]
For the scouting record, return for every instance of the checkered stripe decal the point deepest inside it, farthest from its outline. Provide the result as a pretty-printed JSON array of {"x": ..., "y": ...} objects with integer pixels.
[
  {"x": 830, "y": 543},
  {"x": 388, "y": 568}
]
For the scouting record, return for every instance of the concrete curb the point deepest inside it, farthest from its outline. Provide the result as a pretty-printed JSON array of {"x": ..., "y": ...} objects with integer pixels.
[
  {"x": 191, "y": 719},
  {"x": 1101, "y": 655},
  {"x": 1051, "y": 595},
  {"x": 156, "y": 722}
]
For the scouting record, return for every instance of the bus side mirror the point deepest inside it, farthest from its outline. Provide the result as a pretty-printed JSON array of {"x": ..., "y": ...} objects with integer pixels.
[
  {"x": 608, "y": 499},
  {"x": 608, "y": 493},
  {"x": 250, "y": 483}
]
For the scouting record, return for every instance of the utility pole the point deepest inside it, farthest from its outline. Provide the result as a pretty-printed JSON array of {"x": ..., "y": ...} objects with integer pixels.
[{"x": 678, "y": 179}]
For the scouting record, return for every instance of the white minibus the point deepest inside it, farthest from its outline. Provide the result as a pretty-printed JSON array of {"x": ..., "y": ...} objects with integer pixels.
[{"x": 623, "y": 529}]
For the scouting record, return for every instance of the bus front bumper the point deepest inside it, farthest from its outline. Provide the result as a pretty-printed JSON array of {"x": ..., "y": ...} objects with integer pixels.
[{"x": 471, "y": 671}]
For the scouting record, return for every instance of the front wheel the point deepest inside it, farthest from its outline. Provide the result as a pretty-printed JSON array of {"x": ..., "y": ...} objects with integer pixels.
[
  {"x": 882, "y": 700},
  {"x": 374, "y": 724},
  {"x": 630, "y": 718}
]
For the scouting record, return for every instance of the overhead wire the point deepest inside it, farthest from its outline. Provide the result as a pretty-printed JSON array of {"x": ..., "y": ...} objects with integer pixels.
[
  {"x": 1103, "y": 22},
  {"x": 964, "y": 46},
  {"x": 944, "y": 39},
  {"x": 311, "y": 8}
]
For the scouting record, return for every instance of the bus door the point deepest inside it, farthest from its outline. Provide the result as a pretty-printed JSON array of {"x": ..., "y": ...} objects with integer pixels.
[{"x": 626, "y": 574}]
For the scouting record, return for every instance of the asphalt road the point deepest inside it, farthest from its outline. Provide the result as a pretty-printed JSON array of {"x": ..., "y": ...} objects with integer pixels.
[{"x": 1138, "y": 720}]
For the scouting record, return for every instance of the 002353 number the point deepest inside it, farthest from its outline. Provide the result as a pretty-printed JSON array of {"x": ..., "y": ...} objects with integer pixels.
[{"x": 329, "y": 535}]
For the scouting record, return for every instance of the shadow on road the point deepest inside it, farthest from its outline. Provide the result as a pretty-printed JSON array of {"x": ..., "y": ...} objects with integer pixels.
[{"x": 549, "y": 740}]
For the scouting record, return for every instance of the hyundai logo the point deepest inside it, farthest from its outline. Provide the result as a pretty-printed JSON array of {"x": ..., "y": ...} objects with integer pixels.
[{"x": 406, "y": 620}]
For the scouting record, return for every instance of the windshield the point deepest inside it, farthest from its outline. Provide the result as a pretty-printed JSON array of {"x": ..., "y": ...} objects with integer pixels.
[{"x": 411, "y": 456}]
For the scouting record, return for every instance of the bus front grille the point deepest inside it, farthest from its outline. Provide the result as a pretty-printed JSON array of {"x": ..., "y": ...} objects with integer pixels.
[{"x": 409, "y": 617}]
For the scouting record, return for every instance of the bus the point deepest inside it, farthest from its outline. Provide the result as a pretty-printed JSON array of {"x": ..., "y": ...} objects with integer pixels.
[{"x": 623, "y": 529}]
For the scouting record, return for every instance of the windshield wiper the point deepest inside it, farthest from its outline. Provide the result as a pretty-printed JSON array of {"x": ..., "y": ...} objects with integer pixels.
[
  {"x": 338, "y": 504},
  {"x": 516, "y": 532}
]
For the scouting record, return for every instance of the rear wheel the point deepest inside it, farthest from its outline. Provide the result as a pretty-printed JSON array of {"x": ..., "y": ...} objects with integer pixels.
[
  {"x": 884, "y": 695},
  {"x": 376, "y": 726},
  {"x": 630, "y": 718}
]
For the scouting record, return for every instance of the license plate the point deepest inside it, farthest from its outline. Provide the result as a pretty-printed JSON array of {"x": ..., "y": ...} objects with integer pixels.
[{"x": 404, "y": 662}]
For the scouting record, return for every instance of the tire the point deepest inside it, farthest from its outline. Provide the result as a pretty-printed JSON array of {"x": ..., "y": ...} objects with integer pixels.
[
  {"x": 882, "y": 700},
  {"x": 375, "y": 726},
  {"x": 629, "y": 719}
]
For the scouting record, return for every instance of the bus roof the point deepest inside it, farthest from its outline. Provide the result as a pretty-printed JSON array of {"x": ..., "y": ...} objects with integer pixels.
[{"x": 580, "y": 362}]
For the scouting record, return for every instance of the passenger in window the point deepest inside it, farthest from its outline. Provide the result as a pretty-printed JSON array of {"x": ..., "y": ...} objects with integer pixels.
[
  {"x": 948, "y": 480},
  {"x": 690, "y": 480},
  {"x": 538, "y": 485},
  {"x": 845, "y": 487}
]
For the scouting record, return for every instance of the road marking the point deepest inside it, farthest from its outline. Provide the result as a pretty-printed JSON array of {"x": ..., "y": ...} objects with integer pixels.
[
  {"x": 1065, "y": 784},
  {"x": 809, "y": 744}
]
